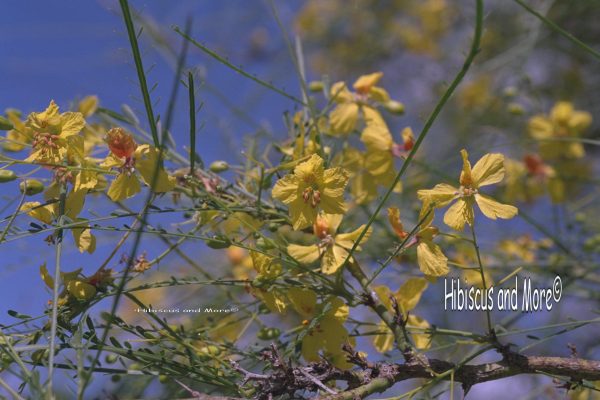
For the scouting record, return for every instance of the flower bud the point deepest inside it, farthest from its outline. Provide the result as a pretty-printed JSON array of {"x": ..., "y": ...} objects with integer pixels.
[
  {"x": 219, "y": 166},
  {"x": 316, "y": 86},
  {"x": 515, "y": 109},
  {"x": 6, "y": 175},
  {"x": 394, "y": 107},
  {"x": 31, "y": 187}
]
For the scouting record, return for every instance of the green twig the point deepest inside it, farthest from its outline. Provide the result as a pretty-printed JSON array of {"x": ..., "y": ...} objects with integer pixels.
[
  {"x": 140, "y": 70},
  {"x": 560, "y": 30}
]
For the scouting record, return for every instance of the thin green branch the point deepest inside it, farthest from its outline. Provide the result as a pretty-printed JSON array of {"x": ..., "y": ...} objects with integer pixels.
[
  {"x": 239, "y": 70},
  {"x": 560, "y": 30},
  {"x": 135, "y": 50}
]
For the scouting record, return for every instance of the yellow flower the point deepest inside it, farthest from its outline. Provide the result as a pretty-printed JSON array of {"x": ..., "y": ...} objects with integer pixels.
[
  {"x": 345, "y": 116},
  {"x": 326, "y": 332},
  {"x": 128, "y": 157},
  {"x": 82, "y": 234},
  {"x": 54, "y": 135},
  {"x": 333, "y": 249},
  {"x": 431, "y": 259},
  {"x": 74, "y": 286},
  {"x": 268, "y": 269},
  {"x": 564, "y": 122},
  {"x": 362, "y": 184},
  {"x": 379, "y": 157},
  {"x": 311, "y": 188},
  {"x": 408, "y": 297},
  {"x": 487, "y": 171}
]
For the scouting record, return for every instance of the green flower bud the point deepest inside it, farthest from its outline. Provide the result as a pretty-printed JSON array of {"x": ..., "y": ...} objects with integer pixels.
[
  {"x": 219, "y": 166},
  {"x": 515, "y": 109},
  {"x": 31, "y": 187},
  {"x": 268, "y": 333},
  {"x": 394, "y": 107},
  {"x": 510, "y": 91},
  {"x": 6, "y": 175},
  {"x": 316, "y": 86},
  {"x": 111, "y": 358}
]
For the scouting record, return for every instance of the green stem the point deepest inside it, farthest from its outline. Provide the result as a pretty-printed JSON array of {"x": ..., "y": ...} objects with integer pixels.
[
  {"x": 55, "y": 289},
  {"x": 485, "y": 287},
  {"x": 140, "y": 70},
  {"x": 560, "y": 30}
]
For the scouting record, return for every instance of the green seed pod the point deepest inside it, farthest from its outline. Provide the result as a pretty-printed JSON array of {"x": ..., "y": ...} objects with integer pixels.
[
  {"x": 394, "y": 107},
  {"x": 219, "y": 166},
  {"x": 316, "y": 86},
  {"x": 5, "y": 124},
  {"x": 163, "y": 378},
  {"x": 31, "y": 187},
  {"x": 6, "y": 175},
  {"x": 273, "y": 227}
]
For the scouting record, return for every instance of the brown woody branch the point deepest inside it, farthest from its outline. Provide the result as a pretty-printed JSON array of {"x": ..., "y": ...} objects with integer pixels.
[{"x": 576, "y": 369}]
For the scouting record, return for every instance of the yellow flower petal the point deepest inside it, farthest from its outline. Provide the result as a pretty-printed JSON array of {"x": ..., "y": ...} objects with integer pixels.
[
  {"x": 304, "y": 301},
  {"x": 488, "y": 170},
  {"x": 365, "y": 82},
  {"x": 338, "y": 310},
  {"x": 439, "y": 196},
  {"x": 373, "y": 117},
  {"x": 35, "y": 210},
  {"x": 540, "y": 127},
  {"x": 339, "y": 93},
  {"x": 84, "y": 239},
  {"x": 303, "y": 214},
  {"x": 81, "y": 290},
  {"x": 459, "y": 214},
  {"x": 46, "y": 277},
  {"x": 580, "y": 121},
  {"x": 333, "y": 259},
  {"x": 379, "y": 163},
  {"x": 394, "y": 219},
  {"x": 377, "y": 137},
  {"x": 410, "y": 292},
  {"x": 431, "y": 260},
  {"x": 88, "y": 105},
  {"x": 74, "y": 203},
  {"x": 344, "y": 117},
  {"x": 304, "y": 254},
  {"x": 493, "y": 209},
  {"x": 379, "y": 94},
  {"x": 561, "y": 112},
  {"x": 71, "y": 123},
  {"x": 146, "y": 162},
  {"x": 347, "y": 240},
  {"x": 286, "y": 189},
  {"x": 422, "y": 340},
  {"x": 466, "y": 178},
  {"x": 123, "y": 187},
  {"x": 384, "y": 341}
]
